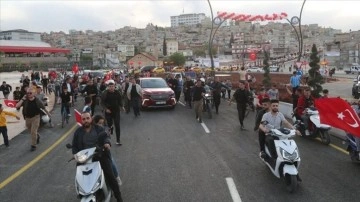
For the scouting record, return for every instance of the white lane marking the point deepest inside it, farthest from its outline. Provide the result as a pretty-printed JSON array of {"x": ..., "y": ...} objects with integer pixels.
[
  {"x": 233, "y": 191},
  {"x": 182, "y": 103},
  {"x": 205, "y": 127}
]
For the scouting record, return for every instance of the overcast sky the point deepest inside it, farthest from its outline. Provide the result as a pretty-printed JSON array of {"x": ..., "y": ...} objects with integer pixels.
[{"x": 51, "y": 15}]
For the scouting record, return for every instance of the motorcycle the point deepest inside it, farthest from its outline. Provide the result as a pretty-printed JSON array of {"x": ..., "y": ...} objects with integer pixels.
[
  {"x": 352, "y": 148},
  {"x": 90, "y": 181},
  {"x": 283, "y": 158},
  {"x": 316, "y": 129},
  {"x": 208, "y": 103}
]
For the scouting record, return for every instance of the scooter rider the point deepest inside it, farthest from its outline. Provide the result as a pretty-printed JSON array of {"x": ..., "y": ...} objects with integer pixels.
[
  {"x": 265, "y": 109},
  {"x": 305, "y": 101},
  {"x": 86, "y": 137},
  {"x": 276, "y": 119}
]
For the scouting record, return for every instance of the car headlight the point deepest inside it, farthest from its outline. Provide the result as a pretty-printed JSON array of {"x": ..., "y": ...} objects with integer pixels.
[{"x": 291, "y": 157}]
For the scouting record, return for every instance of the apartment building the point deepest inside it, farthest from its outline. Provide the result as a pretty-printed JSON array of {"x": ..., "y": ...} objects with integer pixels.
[
  {"x": 20, "y": 35},
  {"x": 187, "y": 19}
]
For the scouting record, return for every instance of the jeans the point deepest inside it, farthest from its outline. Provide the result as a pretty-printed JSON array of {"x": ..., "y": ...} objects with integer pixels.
[
  {"x": 57, "y": 91},
  {"x": 177, "y": 95},
  {"x": 229, "y": 94},
  {"x": 66, "y": 106},
  {"x": 114, "y": 167},
  {"x": 135, "y": 102},
  {"x": 271, "y": 145},
  {"x": 305, "y": 119},
  {"x": 106, "y": 165},
  {"x": 114, "y": 118},
  {"x": 3, "y": 131},
  {"x": 217, "y": 100},
  {"x": 262, "y": 137},
  {"x": 126, "y": 104},
  {"x": 241, "y": 108}
]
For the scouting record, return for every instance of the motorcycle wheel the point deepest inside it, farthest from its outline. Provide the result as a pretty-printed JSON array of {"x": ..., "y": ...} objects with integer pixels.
[
  {"x": 208, "y": 109},
  {"x": 291, "y": 183},
  {"x": 324, "y": 137}
]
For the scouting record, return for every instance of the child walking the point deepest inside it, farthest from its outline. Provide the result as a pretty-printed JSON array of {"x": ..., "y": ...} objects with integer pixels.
[{"x": 3, "y": 128}]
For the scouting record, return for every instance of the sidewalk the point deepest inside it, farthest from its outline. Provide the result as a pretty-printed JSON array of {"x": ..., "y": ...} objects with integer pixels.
[{"x": 15, "y": 127}]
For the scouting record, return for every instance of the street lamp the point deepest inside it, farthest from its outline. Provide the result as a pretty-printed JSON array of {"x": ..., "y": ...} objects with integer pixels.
[
  {"x": 218, "y": 22},
  {"x": 297, "y": 21}
]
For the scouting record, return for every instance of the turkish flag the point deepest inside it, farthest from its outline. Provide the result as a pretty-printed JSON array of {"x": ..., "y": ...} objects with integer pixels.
[
  {"x": 78, "y": 117},
  {"x": 339, "y": 114},
  {"x": 10, "y": 103}
]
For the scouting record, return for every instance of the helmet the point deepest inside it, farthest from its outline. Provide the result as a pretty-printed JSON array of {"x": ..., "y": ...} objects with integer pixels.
[{"x": 45, "y": 119}]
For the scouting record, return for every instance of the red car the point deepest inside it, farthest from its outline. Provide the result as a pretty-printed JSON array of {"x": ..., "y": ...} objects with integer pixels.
[{"x": 156, "y": 93}]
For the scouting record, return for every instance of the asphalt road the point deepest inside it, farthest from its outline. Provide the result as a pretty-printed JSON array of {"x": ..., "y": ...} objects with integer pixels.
[{"x": 167, "y": 156}]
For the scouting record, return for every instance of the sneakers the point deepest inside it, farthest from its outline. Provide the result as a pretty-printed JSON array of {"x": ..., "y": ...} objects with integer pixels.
[
  {"x": 119, "y": 180},
  {"x": 69, "y": 115},
  {"x": 33, "y": 148},
  {"x": 307, "y": 133},
  {"x": 200, "y": 121},
  {"x": 118, "y": 143},
  {"x": 242, "y": 127}
]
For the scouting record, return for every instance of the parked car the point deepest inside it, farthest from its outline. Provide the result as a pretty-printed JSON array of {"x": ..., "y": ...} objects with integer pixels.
[
  {"x": 274, "y": 68},
  {"x": 156, "y": 93},
  {"x": 254, "y": 69},
  {"x": 353, "y": 70},
  {"x": 356, "y": 89},
  {"x": 158, "y": 70}
]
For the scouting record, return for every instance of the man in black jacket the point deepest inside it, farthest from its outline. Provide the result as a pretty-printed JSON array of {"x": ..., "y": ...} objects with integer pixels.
[
  {"x": 88, "y": 136},
  {"x": 111, "y": 100},
  {"x": 216, "y": 86},
  {"x": 6, "y": 89},
  {"x": 91, "y": 91},
  {"x": 241, "y": 96}
]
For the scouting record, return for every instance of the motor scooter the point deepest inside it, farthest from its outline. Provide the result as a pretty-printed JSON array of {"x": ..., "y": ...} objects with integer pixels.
[
  {"x": 282, "y": 155},
  {"x": 315, "y": 127},
  {"x": 90, "y": 181},
  {"x": 352, "y": 148}
]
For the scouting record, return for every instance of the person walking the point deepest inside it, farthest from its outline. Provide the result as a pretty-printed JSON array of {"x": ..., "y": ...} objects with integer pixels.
[
  {"x": 241, "y": 96},
  {"x": 111, "y": 101},
  {"x": 188, "y": 86},
  {"x": 6, "y": 89},
  {"x": 91, "y": 91},
  {"x": 3, "y": 127},
  {"x": 273, "y": 93},
  {"x": 198, "y": 93},
  {"x": 216, "y": 92},
  {"x": 125, "y": 87},
  {"x": 295, "y": 81},
  {"x": 32, "y": 107},
  {"x": 229, "y": 85},
  {"x": 17, "y": 94},
  {"x": 178, "y": 88},
  {"x": 134, "y": 96},
  {"x": 45, "y": 82}
]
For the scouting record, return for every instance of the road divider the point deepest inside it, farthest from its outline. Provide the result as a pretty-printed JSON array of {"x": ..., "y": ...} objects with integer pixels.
[
  {"x": 37, "y": 159},
  {"x": 233, "y": 191},
  {"x": 205, "y": 127}
]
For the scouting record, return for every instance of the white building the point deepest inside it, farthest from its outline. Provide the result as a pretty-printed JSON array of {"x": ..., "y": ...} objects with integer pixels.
[
  {"x": 20, "y": 35},
  {"x": 127, "y": 50},
  {"x": 187, "y": 19}
]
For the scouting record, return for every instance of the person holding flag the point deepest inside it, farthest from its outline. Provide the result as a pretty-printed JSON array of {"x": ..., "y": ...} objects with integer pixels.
[{"x": 3, "y": 128}]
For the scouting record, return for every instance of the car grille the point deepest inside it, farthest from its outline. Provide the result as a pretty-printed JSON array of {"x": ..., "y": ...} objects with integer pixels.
[{"x": 159, "y": 97}]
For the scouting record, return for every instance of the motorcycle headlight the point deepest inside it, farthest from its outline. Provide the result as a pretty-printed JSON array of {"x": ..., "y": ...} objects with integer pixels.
[
  {"x": 288, "y": 156},
  {"x": 81, "y": 158}
]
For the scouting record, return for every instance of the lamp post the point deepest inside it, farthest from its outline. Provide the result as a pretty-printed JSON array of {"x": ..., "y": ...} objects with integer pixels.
[
  {"x": 297, "y": 21},
  {"x": 218, "y": 22}
]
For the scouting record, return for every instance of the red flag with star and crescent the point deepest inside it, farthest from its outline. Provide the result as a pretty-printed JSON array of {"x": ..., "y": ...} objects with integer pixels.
[
  {"x": 338, "y": 113},
  {"x": 10, "y": 103},
  {"x": 78, "y": 117}
]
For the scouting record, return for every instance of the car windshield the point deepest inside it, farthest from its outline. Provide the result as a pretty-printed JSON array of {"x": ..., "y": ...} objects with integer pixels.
[{"x": 153, "y": 83}]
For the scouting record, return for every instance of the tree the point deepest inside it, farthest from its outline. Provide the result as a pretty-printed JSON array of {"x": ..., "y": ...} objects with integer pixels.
[
  {"x": 164, "y": 46},
  {"x": 231, "y": 40},
  {"x": 315, "y": 79},
  {"x": 267, "y": 79},
  {"x": 178, "y": 59}
]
